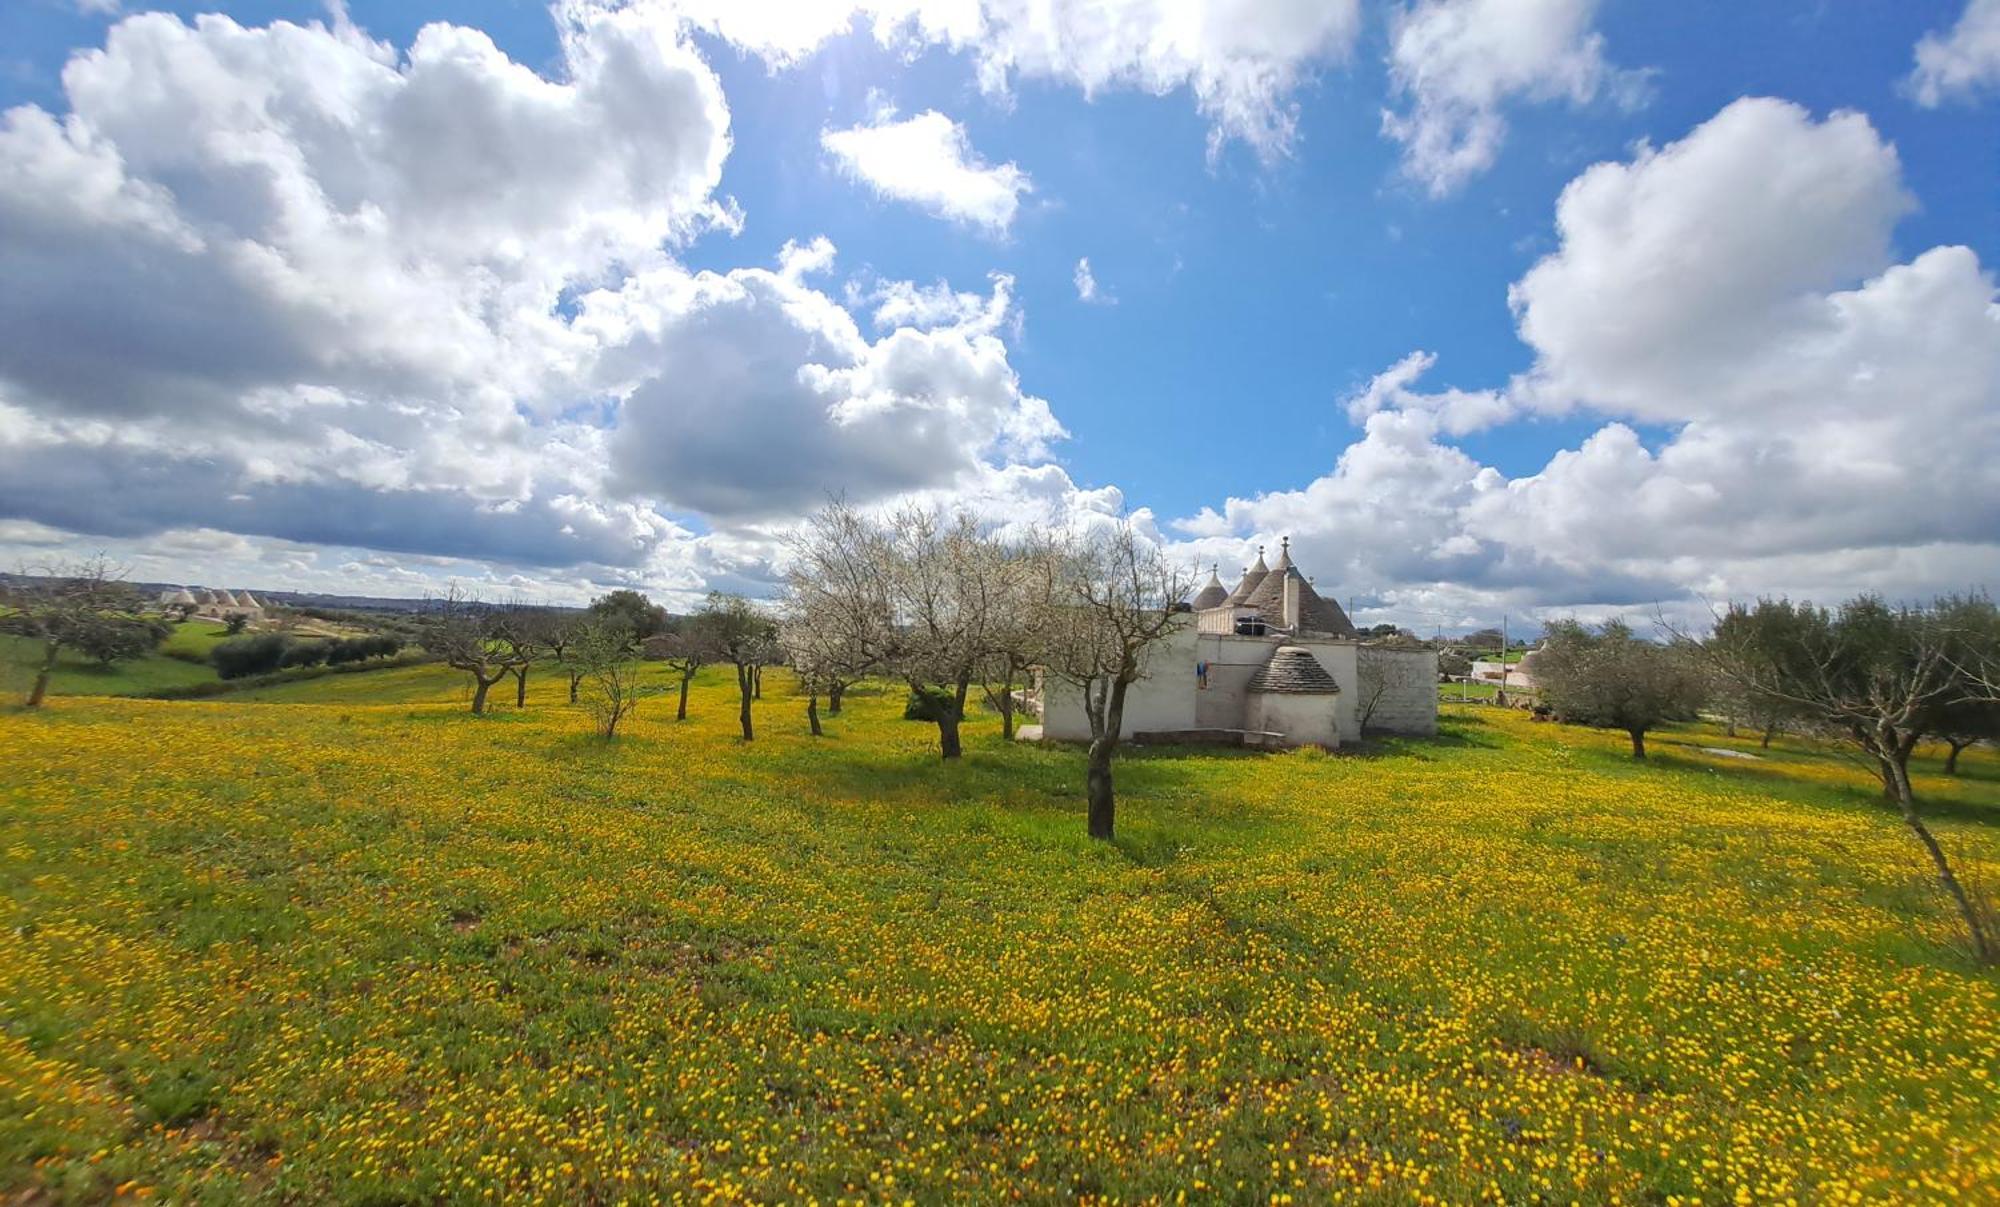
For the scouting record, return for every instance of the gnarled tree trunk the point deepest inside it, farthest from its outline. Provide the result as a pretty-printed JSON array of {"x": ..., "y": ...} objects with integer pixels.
[
  {"x": 51, "y": 650},
  {"x": 745, "y": 685},
  {"x": 812, "y": 712},
  {"x": 1638, "y": 743},
  {"x": 681, "y": 714},
  {"x": 833, "y": 694},
  {"x": 520, "y": 687}
]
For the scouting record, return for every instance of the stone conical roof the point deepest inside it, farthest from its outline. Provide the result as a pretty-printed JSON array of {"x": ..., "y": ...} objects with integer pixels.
[
  {"x": 1316, "y": 614},
  {"x": 1214, "y": 595},
  {"x": 1251, "y": 579},
  {"x": 247, "y": 600},
  {"x": 1294, "y": 671}
]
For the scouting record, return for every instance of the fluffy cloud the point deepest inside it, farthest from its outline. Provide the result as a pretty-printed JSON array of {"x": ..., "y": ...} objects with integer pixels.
[
  {"x": 290, "y": 284},
  {"x": 750, "y": 397},
  {"x": 1832, "y": 415},
  {"x": 928, "y": 161},
  {"x": 1962, "y": 62},
  {"x": 1460, "y": 61},
  {"x": 1241, "y": 59}
]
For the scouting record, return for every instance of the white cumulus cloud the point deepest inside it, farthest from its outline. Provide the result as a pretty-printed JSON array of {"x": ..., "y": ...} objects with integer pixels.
[
  {"x": 1961, "y": 62},
  {"x": 928, "y": 161},
  {"x": 1460, "y": 62}
]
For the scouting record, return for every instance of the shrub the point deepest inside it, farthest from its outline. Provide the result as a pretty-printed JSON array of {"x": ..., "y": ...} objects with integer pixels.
[
  {"x": 929, "y": 704},
  {"x": 240, "y": 656},
  {"x": 306, "y": 653}
]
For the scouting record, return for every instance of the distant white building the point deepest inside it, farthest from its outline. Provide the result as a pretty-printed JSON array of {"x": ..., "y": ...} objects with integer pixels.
[
  {"x": 212, "y": 604},
  {"x": 1271, "y": 663}
]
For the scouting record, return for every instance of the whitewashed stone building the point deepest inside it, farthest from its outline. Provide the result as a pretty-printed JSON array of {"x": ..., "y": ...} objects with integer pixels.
[{"x": 1271, "y": 663}]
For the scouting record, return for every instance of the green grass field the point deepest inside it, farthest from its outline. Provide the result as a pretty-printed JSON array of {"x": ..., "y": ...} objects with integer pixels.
[
  {"x": 79, "y": 676},
  {"x": 340, "y": 940}
]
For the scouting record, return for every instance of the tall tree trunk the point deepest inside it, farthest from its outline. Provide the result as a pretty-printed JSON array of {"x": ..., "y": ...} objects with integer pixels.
[
  {"x": 681, "y": 714},
  {"x": 1097, "y": 779},
  {"x": 1951, "y": 760},
  {"x": 1770, "y": 731},
  {"x": 948, "y": 721},
  {"x": 744, "y": 685},
  {"x": 520, "y": 687},
  {"x": 1906, "y": 802},
  {"x": 1007, "y": 704},
  {"x": 1638, "y": 743},
  {"x": 757, "y": 682},
  {"x": 833, "y": 695},
  {"x": 812, "y": 712},
  {"x": 51, "y": 650},
  {"x": 479, "y": 692},
  {"x": 574, "y": 679},
  {"x": 1729, "y": 726}
]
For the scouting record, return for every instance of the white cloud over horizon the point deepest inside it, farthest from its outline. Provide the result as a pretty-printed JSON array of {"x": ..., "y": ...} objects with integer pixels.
[
  {"x": 389, "y": 316},
  {"x": 1806, "y": 378}
]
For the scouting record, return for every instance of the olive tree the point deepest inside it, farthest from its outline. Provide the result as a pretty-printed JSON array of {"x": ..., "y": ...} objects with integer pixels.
[
  {"x": 685, "y": 651},
  {"x": 1114, "y": 598},
  {"x": 741, "y": 636},
  {"x": 1876, "y": 676},
  {"x": 1614, "y": 679},
  {"x": 603, "y": 656},
  {"x": 459, "y": 631}
]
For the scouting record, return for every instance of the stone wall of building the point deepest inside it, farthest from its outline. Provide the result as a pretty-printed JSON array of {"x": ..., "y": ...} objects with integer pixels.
[
  {"x": 1408, "y": 693},
  {"x": 1305, "y": 720}
]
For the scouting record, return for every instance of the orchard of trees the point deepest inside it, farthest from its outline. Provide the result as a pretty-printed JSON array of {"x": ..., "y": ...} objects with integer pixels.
[{"x": 1873, "y": 678}]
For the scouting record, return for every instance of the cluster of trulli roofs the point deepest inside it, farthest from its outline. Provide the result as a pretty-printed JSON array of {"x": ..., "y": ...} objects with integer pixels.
[
  {"x": 217, "y": 604},
  {"x": 1271, "y": 663}
]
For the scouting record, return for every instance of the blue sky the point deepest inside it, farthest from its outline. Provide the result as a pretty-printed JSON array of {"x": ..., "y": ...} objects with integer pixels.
[{"x": 1253, "y": 293}]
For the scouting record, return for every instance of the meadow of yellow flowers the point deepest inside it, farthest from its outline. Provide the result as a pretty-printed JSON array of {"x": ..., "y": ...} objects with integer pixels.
[{"x": 347, "y": 942}]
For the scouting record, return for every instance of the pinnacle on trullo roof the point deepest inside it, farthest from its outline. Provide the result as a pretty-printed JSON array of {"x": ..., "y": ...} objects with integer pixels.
[
  {"x": 1251, "y": 578},
  {"x": 1265, "y": 589},
  {"x": 1213, "y": 595}
]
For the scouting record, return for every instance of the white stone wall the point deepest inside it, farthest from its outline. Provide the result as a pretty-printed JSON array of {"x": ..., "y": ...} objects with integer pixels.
[
  {"x": 1164, "y": 699},
  {"x": 1409, "y": 702},
  {"x": 1305, "y": 720}
]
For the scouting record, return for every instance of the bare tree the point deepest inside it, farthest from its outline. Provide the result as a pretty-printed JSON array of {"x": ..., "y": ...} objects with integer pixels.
[
  {"x": 742, "y": 637},
  {"x": 84, "y": 605},
  {"x": 1021, "y": 580},
  {"x": 522, "y": 630},
  {"x": 822, "y": 651},
  {"x": 459, "y": 631},
  {"x": 562, "y": 634},
  {"x": 1614, "y": 680},
  {"x": 602, "y": 652},
  {"x": 1115, "y": 598},
  {"x": 910, "y": 593},
  {"x": 1878, "y": 677}
]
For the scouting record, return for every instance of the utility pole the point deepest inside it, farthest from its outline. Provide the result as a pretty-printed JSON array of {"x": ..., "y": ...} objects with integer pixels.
[{"x": 1500, "y": 697}]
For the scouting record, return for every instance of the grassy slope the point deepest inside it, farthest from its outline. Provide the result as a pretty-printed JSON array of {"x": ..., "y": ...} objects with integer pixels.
[
  {"x": 356, "y": 950},
  {"x": 79, "y": 676}
]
